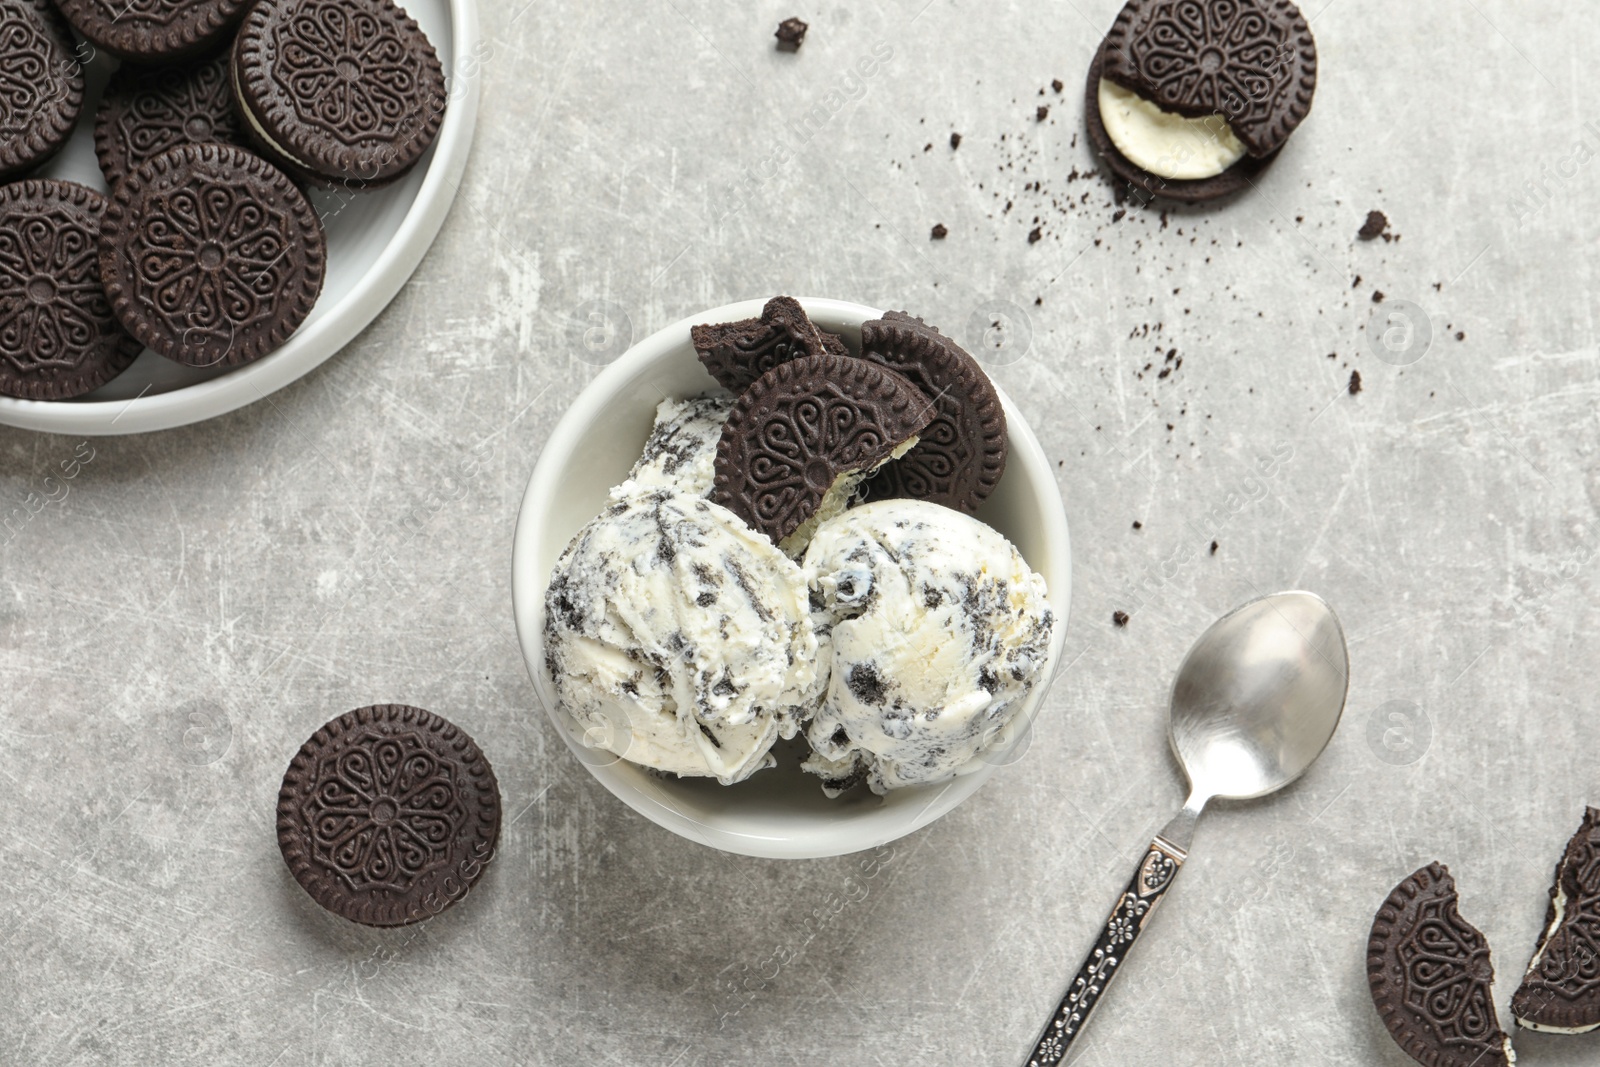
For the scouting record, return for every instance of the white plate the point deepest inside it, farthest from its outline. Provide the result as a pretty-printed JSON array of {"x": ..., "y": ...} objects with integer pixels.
[
  {"x": 375, "y": 240},
  {"x": 780, "y": 813}
]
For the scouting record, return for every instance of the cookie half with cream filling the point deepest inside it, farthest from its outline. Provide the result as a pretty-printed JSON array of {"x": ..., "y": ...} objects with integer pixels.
[
  {"x": 1560, "y": 993},
  {"x": 1191, "y": 99}
]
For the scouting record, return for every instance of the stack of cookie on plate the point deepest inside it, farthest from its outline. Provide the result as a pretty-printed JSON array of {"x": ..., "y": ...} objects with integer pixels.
[{"x": 208, "y": 249}]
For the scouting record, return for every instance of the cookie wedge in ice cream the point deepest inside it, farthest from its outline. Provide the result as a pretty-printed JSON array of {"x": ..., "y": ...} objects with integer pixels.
[{"x": 802, "y": 439}]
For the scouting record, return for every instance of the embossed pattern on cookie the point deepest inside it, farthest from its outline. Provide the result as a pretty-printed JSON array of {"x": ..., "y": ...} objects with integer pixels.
[
  {"x": 1561, "y": 990},
  {"x": 58, "y": 337},
  {"x": 152, "y": 31},
  {"x": 211, "y": 256},
  {"x": 960, "y": 457},
  {"x": 1431, "y": 976},
  {"x": 339, "y": 91},
  {"x": 388, "y": 815},
  {"x": 41, "y": 85},
  {"x": 148, "y": 110},
  {"x": 800, "y": 427},
  {"x": 1235, "y": 179},
  {"x": 737, "y": 353},
  {"x": 1252, "y": 61}
]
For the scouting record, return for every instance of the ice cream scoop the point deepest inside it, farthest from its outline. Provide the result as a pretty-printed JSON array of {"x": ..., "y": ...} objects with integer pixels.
[
  {"x": 933, "y": 629},
  {"x": 679, "y": 638}
]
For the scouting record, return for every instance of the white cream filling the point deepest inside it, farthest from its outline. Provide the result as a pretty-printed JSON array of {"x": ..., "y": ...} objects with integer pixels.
[
  {"x": 255, "y": 125},
  {"x": 1164, "y": 143}
]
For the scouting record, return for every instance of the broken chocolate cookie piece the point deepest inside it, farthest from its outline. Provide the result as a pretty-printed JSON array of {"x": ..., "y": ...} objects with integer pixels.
[
  {"x": 800, "y": 439},
  {"x": 1432, "y": 978},
  {"x": 960, "y": 457},
  {"x": 1191, "y": 99},
  {"x": 737, "y": 353},
  {"x": 791, "y": 34},
  {"x": 1561, "y": 991},
  {"x": 1254, "y": 62}
]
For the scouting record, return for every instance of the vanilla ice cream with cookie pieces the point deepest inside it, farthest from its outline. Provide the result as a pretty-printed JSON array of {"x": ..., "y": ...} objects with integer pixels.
[
  {"x": 933, "y": 630},
  {"x": 679, "y": 638},
  {"x": 681, "y": 451}
]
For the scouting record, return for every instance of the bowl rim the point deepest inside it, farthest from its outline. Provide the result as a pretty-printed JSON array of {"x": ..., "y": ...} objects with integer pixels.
[
  {"x": 653, "y": 798},
  {"x": 318, "y": 341}
]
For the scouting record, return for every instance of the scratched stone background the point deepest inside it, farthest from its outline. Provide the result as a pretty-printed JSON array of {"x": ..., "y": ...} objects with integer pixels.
[{"x": 200, "y": 600}]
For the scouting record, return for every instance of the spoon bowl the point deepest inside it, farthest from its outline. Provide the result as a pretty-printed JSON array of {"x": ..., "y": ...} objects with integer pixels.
[{"x": 1259, "y": 696}]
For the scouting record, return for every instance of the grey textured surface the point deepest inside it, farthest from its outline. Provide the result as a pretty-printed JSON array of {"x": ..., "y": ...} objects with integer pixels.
[{"x": 200, "y": 600}]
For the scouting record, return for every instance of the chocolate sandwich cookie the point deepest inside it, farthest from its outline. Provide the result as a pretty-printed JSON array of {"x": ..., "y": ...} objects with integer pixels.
[
  {"x": 147, "y": 110},
  {"x": 1561, "y": 991},
  {"x": 1191, "y": 99},
  {"x": 801, "y": 427},
  {"x": 58, "y": 337},
  {"x": 154, "y": 31},
  {"x": 211, "y": 256},
  {"x": 1431, "y": 976},
  {"x": 388, "y": 815},
  {"x": 338, "y": 92},
  {"x": 959, "y": 458},
  {"x": 737, "y": 353},
  {"x": 41, "y": 85}
]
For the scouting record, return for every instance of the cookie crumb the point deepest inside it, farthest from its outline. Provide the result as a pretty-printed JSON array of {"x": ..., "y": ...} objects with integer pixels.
[
  {"x": 1035, "y": 235},
  {"x": 1214, "y": 547},
  {"x": 1042, "y": 112},
  {"x": 791, "y": 34},
  {"x": 1377, "y": 296},
  {"x": 1057, "y": 85},
  {"x": 1355, "y": 382},
  {"x": 940, "y": 232},
  {"x": 955, "y": 141},
  {"x": 1137, "y": 525},
  {"x": 1377, "y": 222},
  {"x": 1461, "y": 335},
  {"x": 1119, "y": 619}
]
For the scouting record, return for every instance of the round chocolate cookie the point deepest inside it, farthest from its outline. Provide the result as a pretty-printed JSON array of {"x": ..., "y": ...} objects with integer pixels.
[
  {"x": 154, "y": 31},
  {"x": 343, "y": 92},
  {"x": 211, "y": 256},
  {"x": 58, "y": 337},
  {"x": 41, "y": 85},
  {"x": 1234, "y": 180},
  {"x": 388, "y": 815},
  {"x": 147, "y": 110},
  {"x": 1431, "y": 976},
  {"x": 802, "y": 425},
  {"x": 960, "y": 457}
]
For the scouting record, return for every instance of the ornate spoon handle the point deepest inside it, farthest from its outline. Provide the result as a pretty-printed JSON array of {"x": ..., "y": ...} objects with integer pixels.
[{"x": 1133, "y": 910}]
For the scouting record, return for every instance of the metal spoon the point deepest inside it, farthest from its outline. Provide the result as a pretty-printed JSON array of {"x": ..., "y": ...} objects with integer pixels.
[{"x": 1256, "y": 701}]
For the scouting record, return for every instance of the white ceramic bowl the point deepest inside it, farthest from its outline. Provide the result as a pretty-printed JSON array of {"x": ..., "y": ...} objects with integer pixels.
[
  {"x": 780, "y": 813},
  {"x": 375, "y": 240}
]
